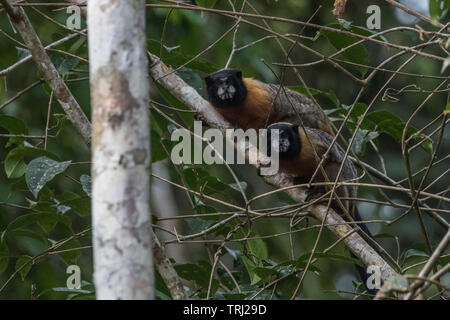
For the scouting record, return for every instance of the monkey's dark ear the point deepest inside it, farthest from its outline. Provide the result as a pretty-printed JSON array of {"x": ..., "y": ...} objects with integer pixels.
[
  {"x": 295, "y": 127},
  {"x": 239, "y": 74},
  {"x": 208, "y": 80}
]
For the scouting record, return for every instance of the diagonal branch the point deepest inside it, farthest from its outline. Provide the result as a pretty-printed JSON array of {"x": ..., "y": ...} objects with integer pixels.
[
  {"x": 51, "y": 76},
  {"x": 167, "y": 272},
  {"x": 434, "y": 258},
  {"x": 412, "y": 12}
]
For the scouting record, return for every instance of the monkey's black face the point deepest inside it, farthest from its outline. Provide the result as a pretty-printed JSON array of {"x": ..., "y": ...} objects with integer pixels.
[
  {"x": 288, "y": 143},
  {"x": 225, "y": 88}
]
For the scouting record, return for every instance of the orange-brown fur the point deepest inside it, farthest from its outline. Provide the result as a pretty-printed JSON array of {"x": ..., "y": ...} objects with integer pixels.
[
  {"x": 305, "y": 164},
  {"x": 255, "y": 112}
]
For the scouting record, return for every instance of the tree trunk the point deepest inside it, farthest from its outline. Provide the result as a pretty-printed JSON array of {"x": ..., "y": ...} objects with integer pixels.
[{"x": 123, "y": 266}]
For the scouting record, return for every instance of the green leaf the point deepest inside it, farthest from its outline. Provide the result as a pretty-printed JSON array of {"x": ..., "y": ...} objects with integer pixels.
[
  {"x": 74, "y": 47},
  {"x": 386, "y": 122},
  {"x": 235, "y": 296},
  {"x": 42, "y": 170},
  {"x": 188, "y": 118},
  {"x": 206, "y": 3},
  {"x": 72, "y": 293},
  {"x": 81, "y": 205},
  {"x": 255, "y": 251},
  {"x": 202, "y": 209},
  {"x": 199, "y": 224},
  {"x": 415, "y": 253},
  {"x": 445, "y": 64},
  {"x": 86, "y": 184},
  {"x": 199, "y": 273},
  {"x": 330, "y": 96},
  {"x": 61, "y": 121},
  {"x": 67, "y": 255},
  {"x": 356, "y": 54},
  {"x": 15, "y": 165},
  {"x": 17, "y": 186},
  {"x": 200, "y": 180},
  {"x": 416, "y": 250},
  {"x": 236, "y": 187},
  {"x": 56, "y": 36},
  {"x": 46, "y": 196},
  {"x": 158, "y": 152},
  {"x": 28, "y": 234},
  {"x": 345, "y": 24},
  {"x": 22, "y": 53},
  {"x": 160, "y": 134},
  {"x": 64, "y": 64},
  {"x": 13, "y": 126},
  {"x": 158, "y": 123},
  {"x": 13, "y": 168},
  {"x": 361, "y": 139},
  {"x": 264, "y": 273},
  {"x": 444, "y": 260},
  {"x": 438, "y": 9},
  {"x": 396, "y": 283},
  {"x": 290, "y": 266},
  {"x": 4, "y": 255},
  {"x": 25, "y": 270},
  {"x": 47, "y": 221},
  {"x": 357, "y": 112},
  {"x": 191, "y": 78},
  {"x": 321, "y": 255},
  {"x": 236, "y": 254},
  {"x": 65, "y": 289}
]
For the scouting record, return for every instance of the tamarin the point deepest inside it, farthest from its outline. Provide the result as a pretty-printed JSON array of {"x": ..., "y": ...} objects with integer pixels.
[
  {"x": 300, "y": 150},
  {"x": 247, "y": 103},
  {"x": 296, "y": 156}
]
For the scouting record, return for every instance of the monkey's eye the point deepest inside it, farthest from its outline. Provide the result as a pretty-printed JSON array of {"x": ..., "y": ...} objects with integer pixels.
[{"x": 228, "y": 81}]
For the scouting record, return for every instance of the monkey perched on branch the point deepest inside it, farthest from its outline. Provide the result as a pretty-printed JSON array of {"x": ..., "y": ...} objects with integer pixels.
[
  {"x": 304, "y": 130},
  {"x": 300, "y": 150},
  {"x": 247, "y": 103}
]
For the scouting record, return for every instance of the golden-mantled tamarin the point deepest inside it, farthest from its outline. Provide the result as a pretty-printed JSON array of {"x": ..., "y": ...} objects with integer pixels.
[
  {"x": 300, "y": 150},
  {"x": 248, "y": 103},
  {"x": 305, "y": 133}
]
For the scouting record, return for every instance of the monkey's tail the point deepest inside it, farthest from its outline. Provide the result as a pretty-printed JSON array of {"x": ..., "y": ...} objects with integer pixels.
[{"x": 362, "y": 270}]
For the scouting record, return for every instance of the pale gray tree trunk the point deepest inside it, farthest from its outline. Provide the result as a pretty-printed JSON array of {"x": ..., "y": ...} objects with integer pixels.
[{"x": 120, "y": 149}]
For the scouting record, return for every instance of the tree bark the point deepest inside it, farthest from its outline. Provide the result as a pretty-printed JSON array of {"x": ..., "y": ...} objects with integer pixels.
[{"x": 123, "y": 266}]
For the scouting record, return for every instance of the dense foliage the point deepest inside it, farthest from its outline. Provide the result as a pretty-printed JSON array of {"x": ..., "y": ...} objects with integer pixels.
[{"x": 45, "y": 179}]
